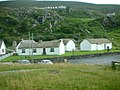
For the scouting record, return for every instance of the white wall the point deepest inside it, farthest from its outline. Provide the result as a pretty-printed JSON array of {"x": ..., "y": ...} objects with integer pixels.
[
  {"x": 27, "y": 52},
  {"x": 56, "y": 51},
  {"x": 101, "y": 46},
  {"x": 61, "y": 48},
  {"x": 18, "y": 51},
  {"x": 85, "y": 45},
  {"x": 39, "y": 51},
  {"x": 108, "y": 45},
  {"x": 3, "y": 47},
  {"x": 93, "y": 47},
  {"x": 70, "y": 46}
]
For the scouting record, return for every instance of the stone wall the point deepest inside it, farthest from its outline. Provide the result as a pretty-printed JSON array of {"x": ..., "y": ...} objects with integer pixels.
[{"x": 62, "y": 58}]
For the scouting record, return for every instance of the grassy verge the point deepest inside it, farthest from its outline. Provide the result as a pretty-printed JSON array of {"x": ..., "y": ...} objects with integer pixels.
[
  {"x": 59, "y": 77},
  {"x": 14, "y": 58}
]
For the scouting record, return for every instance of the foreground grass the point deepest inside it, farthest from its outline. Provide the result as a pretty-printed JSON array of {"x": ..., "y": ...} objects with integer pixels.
[
  {"x": 59, "y": 77},
  {"x": 14, "y": 58}
]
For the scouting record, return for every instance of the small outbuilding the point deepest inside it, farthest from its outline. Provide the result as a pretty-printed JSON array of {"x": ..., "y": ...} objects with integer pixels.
[
  {"x": 69, "y": 44},
  {"x": 2, "y": 47},
  {"x": 95, "y": 44}
]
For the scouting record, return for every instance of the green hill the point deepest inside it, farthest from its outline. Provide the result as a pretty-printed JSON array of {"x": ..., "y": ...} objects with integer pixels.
[{"x": 77, "y": 20}]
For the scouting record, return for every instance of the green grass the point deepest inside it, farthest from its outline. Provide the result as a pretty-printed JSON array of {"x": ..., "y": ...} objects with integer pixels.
[
  {"x": 87, "y": 19},
  {"x": 14, "y": 58},
  {"x": 115, "y": 37},
  {"x": 59, "y": 77},
  {"x": 86, "y": 52}
]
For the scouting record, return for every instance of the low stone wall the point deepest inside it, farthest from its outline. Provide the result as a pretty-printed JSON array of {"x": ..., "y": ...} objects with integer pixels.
[
  {"x": 62, "y": 58},
  {"x": 5, "y": 56}
]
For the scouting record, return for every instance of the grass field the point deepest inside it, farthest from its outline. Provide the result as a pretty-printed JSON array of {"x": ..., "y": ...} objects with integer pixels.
[{"x": 59, "y": 77}]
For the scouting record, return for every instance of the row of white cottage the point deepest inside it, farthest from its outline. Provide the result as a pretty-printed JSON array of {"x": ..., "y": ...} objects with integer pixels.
[
  {"x": 58, "y": 47},
  {"x": 54, "y": 47}
]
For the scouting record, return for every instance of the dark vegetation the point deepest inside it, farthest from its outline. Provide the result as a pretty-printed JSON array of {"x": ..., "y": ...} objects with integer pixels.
[{"x": 78, "y": 21}]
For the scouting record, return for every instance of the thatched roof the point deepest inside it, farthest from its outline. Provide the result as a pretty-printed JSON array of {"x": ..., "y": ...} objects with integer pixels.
[
  {"x": 99, "y": 41},
  {"x": 28, "y": 41},
  {"x": 65, "y": 41},
  {"x": 43, "y": 44}
]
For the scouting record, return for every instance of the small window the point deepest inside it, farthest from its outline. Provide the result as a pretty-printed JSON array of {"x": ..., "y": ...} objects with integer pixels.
[
  {"x": 2, "y": 50},
  {"x": 23, "y": 50},
  {"x": 34, "y": 51},
  {"x": 52, "y": 50}
]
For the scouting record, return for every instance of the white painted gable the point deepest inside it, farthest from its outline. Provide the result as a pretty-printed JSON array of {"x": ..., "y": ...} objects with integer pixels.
[
  {"x": 70, "y": 46},
  {"x": 2, "y": 48}
]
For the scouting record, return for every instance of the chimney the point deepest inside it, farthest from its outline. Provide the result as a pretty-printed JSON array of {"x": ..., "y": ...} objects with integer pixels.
[
  {"x": 61, "y": 40},
  {"x": 14, "y": 44},
  {"x": 40, "y": 41}
]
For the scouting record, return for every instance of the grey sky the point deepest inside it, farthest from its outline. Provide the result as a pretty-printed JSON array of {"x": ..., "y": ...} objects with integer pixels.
[{"x": 89, "y": 1}]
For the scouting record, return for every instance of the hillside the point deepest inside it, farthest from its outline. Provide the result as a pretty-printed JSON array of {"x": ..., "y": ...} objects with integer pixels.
[
  {"x": 75, "y": 5},
  {"x": 59, "y": 20},
  {"x": 93, "y": 9}
]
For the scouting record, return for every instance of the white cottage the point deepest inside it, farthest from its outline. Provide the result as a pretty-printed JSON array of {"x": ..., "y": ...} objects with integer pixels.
[
  {"x": 69, "y": 44},
  {"x": 2, "y": 47},
  {"x": 55, "y": 47},
  {"x": 96, "y": 44}
]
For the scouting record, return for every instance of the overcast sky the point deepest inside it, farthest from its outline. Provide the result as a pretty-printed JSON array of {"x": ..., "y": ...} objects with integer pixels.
[
  {"x": 89, "y": 1},
  {"x": 100, "y": 1}
]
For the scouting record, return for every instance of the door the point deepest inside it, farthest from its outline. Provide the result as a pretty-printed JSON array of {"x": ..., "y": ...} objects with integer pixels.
[{"x": 44, "y": 51}]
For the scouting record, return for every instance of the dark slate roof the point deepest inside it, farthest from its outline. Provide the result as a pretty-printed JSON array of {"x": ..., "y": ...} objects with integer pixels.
[
  {"x": 99, "y": 41},
  {"x": 43, "y": 44}
]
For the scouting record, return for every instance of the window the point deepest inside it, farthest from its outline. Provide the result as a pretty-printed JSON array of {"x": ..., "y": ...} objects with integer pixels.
[
  {"x": 2, "y": 50},
  {"x": 23, "y": 50},
  {"x": 34, "y": 51},
  {"x": 51, "y": 49}
]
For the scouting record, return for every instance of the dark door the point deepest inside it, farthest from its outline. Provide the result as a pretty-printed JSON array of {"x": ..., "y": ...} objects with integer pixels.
[{"x": 44, "y": 51}]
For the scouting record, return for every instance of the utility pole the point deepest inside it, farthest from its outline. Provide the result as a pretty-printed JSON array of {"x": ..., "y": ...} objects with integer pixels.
[
  {"x": 29, "y": 43},
  {"x": 32, "y": 48}
]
